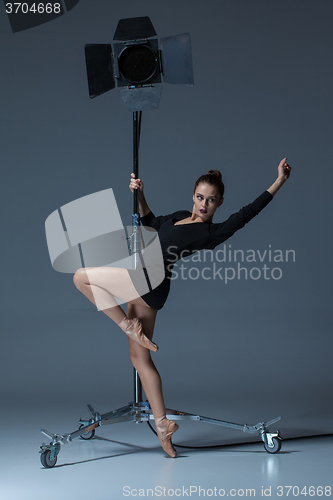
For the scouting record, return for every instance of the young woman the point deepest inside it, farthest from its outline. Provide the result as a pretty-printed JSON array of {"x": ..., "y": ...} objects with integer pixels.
[{"x": 102, "y": 284}]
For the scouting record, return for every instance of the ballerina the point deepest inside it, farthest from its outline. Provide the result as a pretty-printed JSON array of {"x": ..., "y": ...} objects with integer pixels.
[{"x": 102, "y": 284}]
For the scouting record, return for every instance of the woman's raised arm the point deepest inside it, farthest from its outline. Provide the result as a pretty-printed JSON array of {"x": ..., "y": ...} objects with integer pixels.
[
  {"x": 283, "y": 175},
  {"x": 138, "y": 184}
]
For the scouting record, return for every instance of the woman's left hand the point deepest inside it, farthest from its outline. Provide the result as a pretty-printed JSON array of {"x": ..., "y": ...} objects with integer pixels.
[
  {"x": 284, "y": 170},
  {"x": 283, "y": 175}
]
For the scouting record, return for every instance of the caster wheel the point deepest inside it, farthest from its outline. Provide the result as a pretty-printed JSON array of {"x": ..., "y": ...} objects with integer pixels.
[
  {"x": 87, "y": 435},
  {"x": 46, "y": 461},
  {"x": 277, "y": 446}
]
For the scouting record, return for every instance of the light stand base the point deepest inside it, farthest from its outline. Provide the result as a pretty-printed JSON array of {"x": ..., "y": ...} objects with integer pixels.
[{"x": 141, "y": 412}]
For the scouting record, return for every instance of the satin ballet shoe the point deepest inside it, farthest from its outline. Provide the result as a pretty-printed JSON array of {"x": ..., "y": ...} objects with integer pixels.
[
  {"x": 133, "y": 330},
  {"x": 164, "y": 435}
]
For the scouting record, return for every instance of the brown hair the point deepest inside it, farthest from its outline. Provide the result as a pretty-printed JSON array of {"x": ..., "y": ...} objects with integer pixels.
[{"x": 213, "y": 178}]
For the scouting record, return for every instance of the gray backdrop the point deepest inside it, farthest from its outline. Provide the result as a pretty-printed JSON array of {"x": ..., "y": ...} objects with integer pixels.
[{"x": 263, "y": 90}]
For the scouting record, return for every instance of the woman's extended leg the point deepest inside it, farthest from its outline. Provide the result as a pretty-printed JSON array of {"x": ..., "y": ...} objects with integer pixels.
[
  {"x": 100, "y": 285},
  {"x": 149, "y": 376}
]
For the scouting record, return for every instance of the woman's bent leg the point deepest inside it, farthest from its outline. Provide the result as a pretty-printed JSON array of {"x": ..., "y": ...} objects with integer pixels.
[{"x": 100, "y": 285}]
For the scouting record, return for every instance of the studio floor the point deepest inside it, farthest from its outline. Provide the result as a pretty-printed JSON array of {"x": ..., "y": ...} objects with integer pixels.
[{"x": 125, "y": 460}]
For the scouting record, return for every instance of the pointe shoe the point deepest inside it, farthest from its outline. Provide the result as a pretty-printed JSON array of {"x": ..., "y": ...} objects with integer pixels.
[
  {"x": 164, "y": 435},
  {"x": 133, "y": 330}
]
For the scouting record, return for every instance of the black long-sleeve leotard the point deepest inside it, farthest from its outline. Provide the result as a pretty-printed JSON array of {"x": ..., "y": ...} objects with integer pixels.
[{"x": 186, "y": 239}]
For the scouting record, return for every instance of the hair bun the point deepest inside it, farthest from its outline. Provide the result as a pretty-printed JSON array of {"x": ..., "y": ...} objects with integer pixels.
[
  {"x": 215, "y": 173},
  {"x": 213, "y": 178}
]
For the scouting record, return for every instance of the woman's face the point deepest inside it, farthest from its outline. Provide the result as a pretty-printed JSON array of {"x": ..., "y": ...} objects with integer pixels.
[{"x": 206, "y": 200}]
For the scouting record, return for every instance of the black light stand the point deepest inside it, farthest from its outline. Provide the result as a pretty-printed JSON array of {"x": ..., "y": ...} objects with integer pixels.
[{"x": 138, "y": 65}]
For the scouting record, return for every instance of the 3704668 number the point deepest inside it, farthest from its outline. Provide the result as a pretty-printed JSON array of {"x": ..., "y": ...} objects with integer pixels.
[
  {"x": 35, "y": 8},
  {"x": 311, "y": 491}
]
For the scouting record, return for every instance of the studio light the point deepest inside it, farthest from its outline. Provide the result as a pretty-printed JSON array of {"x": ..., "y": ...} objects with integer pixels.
[{"x": 138, "y": 64}]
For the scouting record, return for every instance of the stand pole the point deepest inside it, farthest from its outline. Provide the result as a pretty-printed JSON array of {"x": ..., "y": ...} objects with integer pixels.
[
  {"x": 135, "y": 157},
  {"x": 135, "y": 224}
]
